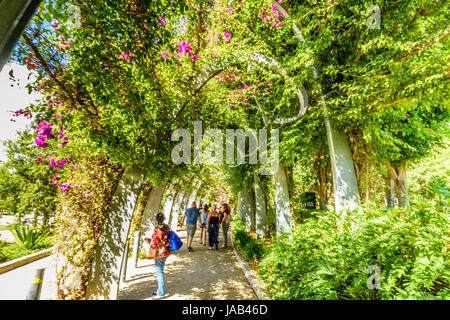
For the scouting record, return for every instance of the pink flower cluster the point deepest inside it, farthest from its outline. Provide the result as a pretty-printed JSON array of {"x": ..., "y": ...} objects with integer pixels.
[
  {"x": 21, "y": 112},
  {"x": 64, "y": 186},
  {"x": 44, "y": 131},
  {"x": 39, "y": 159},
  {"x": 163, "y": 21},
  {"x": 55, "y": 24},
  {"x": 240, "y": 96},
  {"x": 164, "y": 55},
  {"x": 126, "y": 56},
  {"x": 184, "y": 47},
  {"x": 272, "y": 16},
  {"x": 31, "y": 63},
  {"x": 58, "y": 164},
  {"x": 227, "y": 36}
]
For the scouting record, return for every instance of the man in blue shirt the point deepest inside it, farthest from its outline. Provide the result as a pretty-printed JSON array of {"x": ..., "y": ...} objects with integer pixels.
[{"x": 192, "y": 216}]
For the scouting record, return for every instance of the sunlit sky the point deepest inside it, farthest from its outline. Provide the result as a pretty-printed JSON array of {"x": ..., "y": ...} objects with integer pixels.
[{"x": 13, "y": 99}]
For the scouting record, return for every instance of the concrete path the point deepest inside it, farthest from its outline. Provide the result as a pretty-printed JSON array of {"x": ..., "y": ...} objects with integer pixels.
[{"x": 200, "y": 275}]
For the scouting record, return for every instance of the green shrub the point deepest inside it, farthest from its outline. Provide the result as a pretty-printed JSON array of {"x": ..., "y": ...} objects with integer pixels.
[
  {"x": 251, "y": 248},
  {"x": 328, "y": 257},
  {"x": 11, "y": 252},
  {"x": 30, "y": 238},
  {"x": 302, "y": 214}
]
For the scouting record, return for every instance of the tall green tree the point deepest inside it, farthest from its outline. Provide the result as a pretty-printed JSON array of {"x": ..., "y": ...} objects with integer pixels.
[{"x": 26, "y": 183}]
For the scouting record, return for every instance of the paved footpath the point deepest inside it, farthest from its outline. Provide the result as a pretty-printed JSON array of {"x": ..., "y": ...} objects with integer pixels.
[{"x": 200, "y": 275}]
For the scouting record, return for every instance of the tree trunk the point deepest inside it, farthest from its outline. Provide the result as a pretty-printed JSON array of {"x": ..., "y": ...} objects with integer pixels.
[
  {"x": 322, "y": 178},
  {"x": 367, "y": 195},
  {"x": 397, "y": 173}
]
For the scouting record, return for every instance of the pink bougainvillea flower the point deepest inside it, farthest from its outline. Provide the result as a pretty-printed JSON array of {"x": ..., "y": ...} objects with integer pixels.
[
  {"x": 164, "y": 56},
  {"x": 195, "y": 56},
  {"x": 55, "y": 24},
  {"x": 230, "y": 10},
  {"x": 58, "y": 164},
  {"x": 213, "y": 55},
  {"x": 184, "y": 47},
  {"x": 124, "y": 56},
  {"x": 64, "y": 186}
]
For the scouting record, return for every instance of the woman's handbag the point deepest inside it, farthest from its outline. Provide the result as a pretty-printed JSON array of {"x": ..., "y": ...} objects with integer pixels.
[{"x": 175, "y": 241}]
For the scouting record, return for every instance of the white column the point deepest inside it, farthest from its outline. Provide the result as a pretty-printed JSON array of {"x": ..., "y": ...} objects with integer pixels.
[
  {"x": 147, "y": 225},
  {"x": 283, "y": 210},
  {"x": 193, "y": 195},
  {"x": 345, "y": 186},
  {"x": 245, "y": 209},
  {"x": 103, "y": 283},
  {"x": 176, "y": 209},
  {"x": 260, "y": 209},
  {"x": 168, "y": 205}
]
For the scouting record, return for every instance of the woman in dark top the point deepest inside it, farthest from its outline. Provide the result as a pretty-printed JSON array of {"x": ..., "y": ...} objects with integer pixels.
[{"x": 213, "y": 228}]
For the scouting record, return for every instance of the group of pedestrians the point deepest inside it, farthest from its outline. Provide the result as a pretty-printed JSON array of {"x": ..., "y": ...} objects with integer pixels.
[{"x": 209, "y": 218}]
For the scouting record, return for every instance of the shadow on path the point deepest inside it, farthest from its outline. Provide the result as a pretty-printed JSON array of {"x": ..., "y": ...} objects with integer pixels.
[{"x": 200, "y": 275}]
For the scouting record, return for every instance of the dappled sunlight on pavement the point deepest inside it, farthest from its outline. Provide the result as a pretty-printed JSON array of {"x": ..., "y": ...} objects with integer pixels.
[{"x": 200, "y": 275}]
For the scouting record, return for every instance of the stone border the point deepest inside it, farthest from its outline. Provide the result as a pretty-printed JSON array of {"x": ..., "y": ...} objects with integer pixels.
[
  {"x": 252, "y": 278},
  {"x": 16, "y": 263}
]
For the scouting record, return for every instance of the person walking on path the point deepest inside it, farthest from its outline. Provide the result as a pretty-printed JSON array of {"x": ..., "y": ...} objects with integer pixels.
[
  {"x": 213, "y": 228},
  {"x": 192, "y": 216},
  {"x": 160, "y": 239},
  {"x": 225, "y": 219},
  {"x": 203, "y": 215}
]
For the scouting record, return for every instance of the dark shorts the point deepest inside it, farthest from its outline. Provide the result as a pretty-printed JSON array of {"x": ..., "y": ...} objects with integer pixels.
[{"x": 203, "y": 225}]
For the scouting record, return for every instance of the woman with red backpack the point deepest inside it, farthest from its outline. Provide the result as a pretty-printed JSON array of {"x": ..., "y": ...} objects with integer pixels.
[{"x": 159, "y": 250}]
